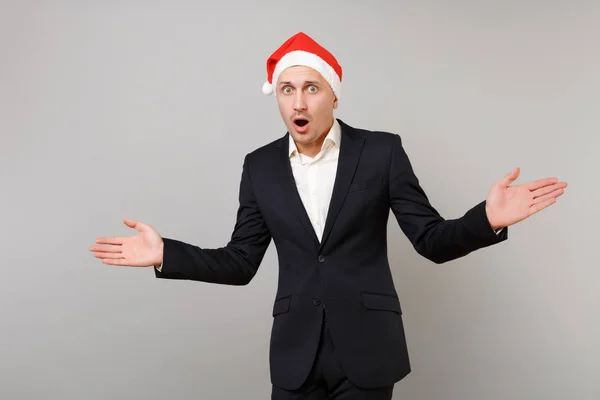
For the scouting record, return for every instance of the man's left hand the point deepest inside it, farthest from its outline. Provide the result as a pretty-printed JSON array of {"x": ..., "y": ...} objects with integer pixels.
[{"x": 506, "y": 205}]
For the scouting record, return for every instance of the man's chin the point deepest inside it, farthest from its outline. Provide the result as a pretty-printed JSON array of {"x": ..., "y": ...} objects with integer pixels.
[
  {"x": 299, "y": 135},
  {"x": 303, "y": 138}
]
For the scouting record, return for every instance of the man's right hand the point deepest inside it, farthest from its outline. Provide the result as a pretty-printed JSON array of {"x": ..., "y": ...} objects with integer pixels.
[{"x": 142, "y": 250}]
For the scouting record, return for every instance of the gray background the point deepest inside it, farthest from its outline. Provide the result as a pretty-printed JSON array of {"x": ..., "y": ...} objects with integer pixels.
[{"x": 145, "y": 110}]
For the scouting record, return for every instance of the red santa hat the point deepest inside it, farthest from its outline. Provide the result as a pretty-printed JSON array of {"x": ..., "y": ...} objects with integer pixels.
[{"x": 300, "y": 49}]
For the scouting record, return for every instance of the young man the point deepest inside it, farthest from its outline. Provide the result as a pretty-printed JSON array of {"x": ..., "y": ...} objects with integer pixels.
[{"x": 323, "y": 193}]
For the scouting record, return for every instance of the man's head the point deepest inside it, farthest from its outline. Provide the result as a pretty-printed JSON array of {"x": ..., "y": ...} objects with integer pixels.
[
  {"x": 306, "y": 103},
  {"x": 307, "y": 80}
]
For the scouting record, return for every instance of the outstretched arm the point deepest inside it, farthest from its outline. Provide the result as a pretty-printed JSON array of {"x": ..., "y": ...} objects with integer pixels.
[{"x": 441, "y": 240}]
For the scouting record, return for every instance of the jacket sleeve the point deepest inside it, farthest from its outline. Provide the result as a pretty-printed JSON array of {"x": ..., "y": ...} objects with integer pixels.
[
  {"x": 432, "y": 236},
  {"x": 234, "y": 264}
]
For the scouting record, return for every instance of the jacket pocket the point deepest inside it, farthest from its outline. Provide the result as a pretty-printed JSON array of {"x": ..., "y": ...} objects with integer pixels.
[
  {"x": 282, "y": 305},
  {"x": 386, "y": 302}
]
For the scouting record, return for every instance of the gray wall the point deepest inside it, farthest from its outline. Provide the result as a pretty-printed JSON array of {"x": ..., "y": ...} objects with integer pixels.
[{"x": 145, "y": 110}]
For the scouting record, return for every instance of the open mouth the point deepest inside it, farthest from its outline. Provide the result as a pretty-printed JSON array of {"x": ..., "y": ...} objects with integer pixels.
[{"x": 300, "y": 122}]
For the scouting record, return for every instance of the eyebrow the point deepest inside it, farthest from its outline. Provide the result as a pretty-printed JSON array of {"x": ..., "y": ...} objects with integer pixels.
[{"x": 305, "y": 83}]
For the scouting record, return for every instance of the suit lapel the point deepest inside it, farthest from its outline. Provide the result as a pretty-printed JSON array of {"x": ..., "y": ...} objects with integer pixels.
[
  {"x": 350, "y": 148},
  {"x": 288, "y": 186}
]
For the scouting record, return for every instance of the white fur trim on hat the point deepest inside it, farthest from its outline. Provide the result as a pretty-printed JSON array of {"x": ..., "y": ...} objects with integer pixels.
[{"x": 299, "y": 57}]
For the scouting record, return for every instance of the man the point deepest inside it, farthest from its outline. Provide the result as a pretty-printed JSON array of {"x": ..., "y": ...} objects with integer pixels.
[{"x": 323, "y": 193}]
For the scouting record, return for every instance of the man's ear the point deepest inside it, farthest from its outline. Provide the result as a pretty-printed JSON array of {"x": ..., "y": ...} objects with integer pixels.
[{"x": 335, "y": 102}]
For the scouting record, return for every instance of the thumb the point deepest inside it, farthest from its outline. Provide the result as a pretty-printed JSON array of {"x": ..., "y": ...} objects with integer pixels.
[
  {"x": 510, "y": 177},
  {"x": 140, "y": 226}
]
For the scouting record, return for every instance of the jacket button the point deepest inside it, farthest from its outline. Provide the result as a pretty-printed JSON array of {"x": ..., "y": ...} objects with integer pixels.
[
  {"x": 321, "y": 258},
  {"x": 316, "y": 301}
]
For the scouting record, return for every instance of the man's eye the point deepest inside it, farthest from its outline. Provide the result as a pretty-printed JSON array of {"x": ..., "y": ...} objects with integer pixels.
[
  {"x": 312, "y": 89},
  {"x": 287, "y": 90}
]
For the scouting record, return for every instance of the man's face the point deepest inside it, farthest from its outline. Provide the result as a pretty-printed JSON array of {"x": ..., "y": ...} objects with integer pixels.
[{"x": 306, "y": 103}]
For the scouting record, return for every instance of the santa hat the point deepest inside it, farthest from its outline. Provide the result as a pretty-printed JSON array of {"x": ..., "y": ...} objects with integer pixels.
[{"x": 300, "y": 49}]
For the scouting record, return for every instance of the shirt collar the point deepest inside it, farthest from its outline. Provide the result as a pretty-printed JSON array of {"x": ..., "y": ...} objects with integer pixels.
[{"x": 333, "y": 138}]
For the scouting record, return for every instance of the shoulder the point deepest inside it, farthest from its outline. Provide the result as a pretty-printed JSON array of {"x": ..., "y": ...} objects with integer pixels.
[
  {"x": 376, "y": 140},
  {"x": 371, "y": 135},
  {"x": 269, "y": 147}
]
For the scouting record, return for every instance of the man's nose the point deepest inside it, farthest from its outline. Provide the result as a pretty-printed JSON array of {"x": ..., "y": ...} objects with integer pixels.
[{"x": 299, "y": 102}]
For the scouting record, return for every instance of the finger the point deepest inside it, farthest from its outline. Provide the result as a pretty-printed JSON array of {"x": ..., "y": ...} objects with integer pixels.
[
  {"x": 548, "y": 189},
  {"x": 539, "y": 183},
  {"x": 510, "y": 177},
  {"x": 130, "y": 222},
  {"x": 110, "y": 240},
  {"x": 112, "y": 256},
  {"x": 138, "y": 225},
  {"x": 109, "y": 248},
  {"x": 552, "y": 195},
  {"x": 540, "y": 206}
]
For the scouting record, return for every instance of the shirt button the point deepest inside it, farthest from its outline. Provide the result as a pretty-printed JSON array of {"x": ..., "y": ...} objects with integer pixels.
[
  {"x": 321, "y": 258},
  {"x": 316, "y": 301}
]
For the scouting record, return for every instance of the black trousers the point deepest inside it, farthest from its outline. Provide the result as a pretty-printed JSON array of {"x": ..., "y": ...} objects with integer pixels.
[{"x": 327, "y": 380}]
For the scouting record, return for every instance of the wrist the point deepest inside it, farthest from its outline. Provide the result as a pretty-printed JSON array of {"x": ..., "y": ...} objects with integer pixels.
[
  {"x": 161, "y": 249},
  {"x": 491, "y": 219}
]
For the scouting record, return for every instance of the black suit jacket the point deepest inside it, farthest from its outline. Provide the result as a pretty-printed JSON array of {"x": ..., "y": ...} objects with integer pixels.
[{"x": 347, "y": 274}]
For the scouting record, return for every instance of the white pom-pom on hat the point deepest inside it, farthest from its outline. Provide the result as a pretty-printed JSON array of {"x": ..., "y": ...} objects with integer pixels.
[{"x": 267, "y": 88}]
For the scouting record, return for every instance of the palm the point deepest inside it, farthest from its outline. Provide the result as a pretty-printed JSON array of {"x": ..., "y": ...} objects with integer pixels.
[
  {"x": 141, "y": 250},
  {"x": 507, "y": 205}
]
